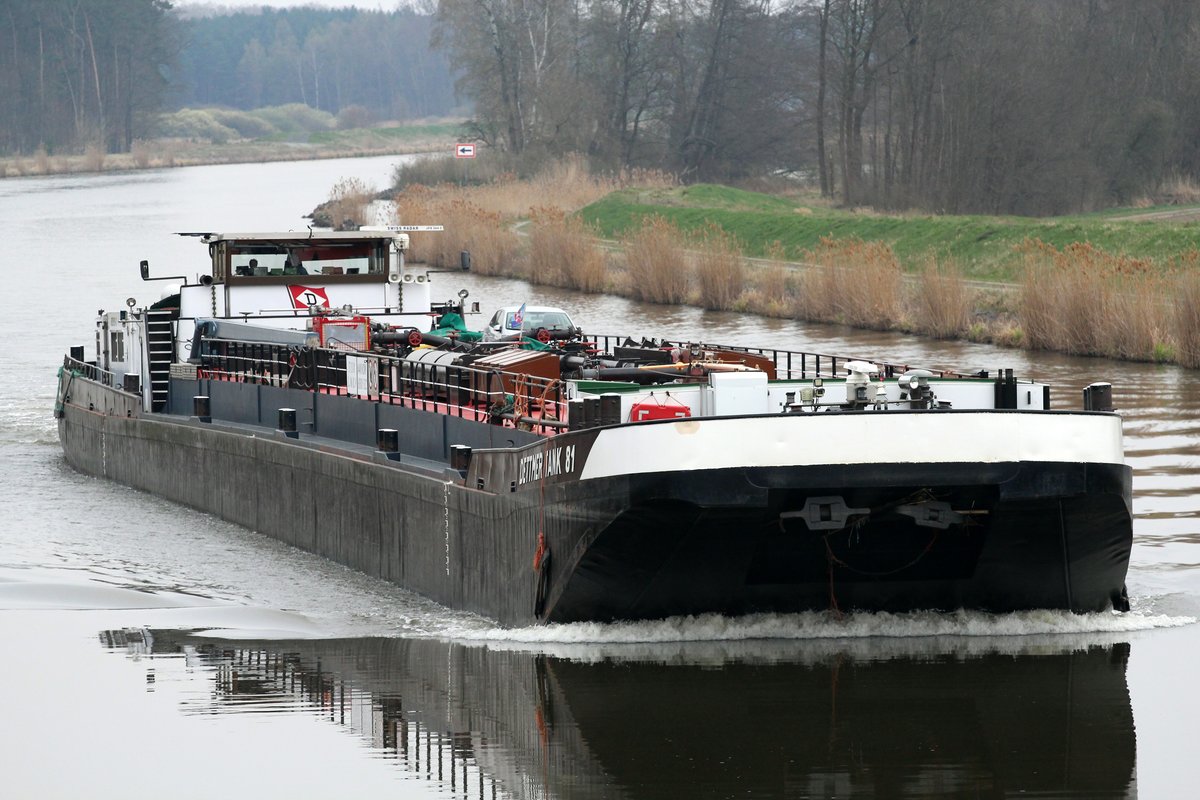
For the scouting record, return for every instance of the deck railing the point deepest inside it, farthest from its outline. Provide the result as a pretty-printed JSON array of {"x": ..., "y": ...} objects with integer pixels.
[
  {"x": 92, "y": 372},
  {"x": 530, "y": 402},
  {"x": 789, "y": 364},
  {"x": 506, "y": 398}
]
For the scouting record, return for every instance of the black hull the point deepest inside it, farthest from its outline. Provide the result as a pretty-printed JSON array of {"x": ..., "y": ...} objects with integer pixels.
[
  {"x": 1048, "y": 535},
  {"x": 1039, "y": 535}
]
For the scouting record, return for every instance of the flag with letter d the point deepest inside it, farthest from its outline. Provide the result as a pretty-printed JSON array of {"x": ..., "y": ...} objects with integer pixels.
[{"x": 308, "y": 296}]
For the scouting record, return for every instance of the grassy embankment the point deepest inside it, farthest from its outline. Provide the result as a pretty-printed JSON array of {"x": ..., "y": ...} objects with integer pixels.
[
  {"x": 983, "y": 247},
  {"x": 182, "y": 151},
  {"x": 1088, "y": 285}
]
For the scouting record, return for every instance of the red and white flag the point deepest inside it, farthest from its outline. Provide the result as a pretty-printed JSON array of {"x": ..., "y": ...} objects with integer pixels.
[{"x": 308, "y": 296}]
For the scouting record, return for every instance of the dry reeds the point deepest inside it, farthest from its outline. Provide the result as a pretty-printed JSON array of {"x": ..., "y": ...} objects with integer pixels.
[
  {"x": 1178, "y": 189},
  {"x": 1187, "y": 319},
  {"x": 773, "y": 281},
  {"x": 656, "y": 263},
  {"x": 349, "y": 200},
  {"x": 486, "y": 235},
  {"x": 93, "y": 158},
  {"x": 1084, "y": 301},
  {"x": 771, "y": 292},
  {"x": 484, "y": 219},
  {"x": 1138, "y": 316},
  {"x": 416, "y": 205},
  {"x": 720, "y": 269},
  {"x": 141, "y": 153},
  {"x": 562, "y": 252},
  {"x": 942, "y": 305},
  {"x": 772, "y": 287},
  {"x": 1060, "y": 307},
  {"x": 852, "y": 282},
  {"x": 563, "y": 183}
]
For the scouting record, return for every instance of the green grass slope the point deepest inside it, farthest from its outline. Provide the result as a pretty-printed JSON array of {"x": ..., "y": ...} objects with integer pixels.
[{"x": 985, "y": 247}]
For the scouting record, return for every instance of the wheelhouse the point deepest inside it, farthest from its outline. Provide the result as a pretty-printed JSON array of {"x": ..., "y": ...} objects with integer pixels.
[{"x": 266, "y": 259}]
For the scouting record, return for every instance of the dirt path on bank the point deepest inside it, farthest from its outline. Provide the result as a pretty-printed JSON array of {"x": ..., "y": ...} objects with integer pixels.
[{"x": 1172, "y": 215}]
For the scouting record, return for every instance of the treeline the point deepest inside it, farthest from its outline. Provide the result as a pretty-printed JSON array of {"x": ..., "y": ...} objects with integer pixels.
[
  {"x": 81, "y": 72},
  {"x": 993, "y": 106},
  {"x": 78, "y": 74},
  {"x": 379, "y": 63}
]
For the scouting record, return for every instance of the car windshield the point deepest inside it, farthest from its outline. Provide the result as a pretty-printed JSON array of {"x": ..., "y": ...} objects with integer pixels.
[{"x": 550, "y": 320}]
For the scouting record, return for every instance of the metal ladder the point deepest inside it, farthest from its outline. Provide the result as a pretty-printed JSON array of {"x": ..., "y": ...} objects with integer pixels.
[{"x": 160, "y": 345}]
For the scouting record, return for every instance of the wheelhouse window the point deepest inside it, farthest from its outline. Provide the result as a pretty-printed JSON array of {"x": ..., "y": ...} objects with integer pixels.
[{"x": 264, "y": 259}]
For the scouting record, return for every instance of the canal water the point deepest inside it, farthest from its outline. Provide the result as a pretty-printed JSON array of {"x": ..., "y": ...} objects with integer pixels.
[{"x": 149, "y": 650}]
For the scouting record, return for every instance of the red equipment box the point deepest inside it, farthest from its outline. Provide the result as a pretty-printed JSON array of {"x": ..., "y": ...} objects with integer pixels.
[
  {"x": 343, "y": 333},
  {"x": 655, "y": 408}
]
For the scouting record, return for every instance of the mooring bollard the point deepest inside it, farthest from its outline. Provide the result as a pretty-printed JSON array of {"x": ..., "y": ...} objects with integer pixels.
[
  {"x": 610, "y": 409},
  {"x": 387, "y": 440},
  {"x": 287, "y": 423},
  {"x": 575, "y": 414},
  {"x": 1098, "y": 397},
  {"x": 200, "y": 408},
  {"x": 460, "y": 457},
  {"x": 591, "y": 412}
]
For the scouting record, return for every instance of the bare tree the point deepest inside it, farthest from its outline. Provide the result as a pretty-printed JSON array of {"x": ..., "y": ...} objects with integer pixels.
[
  {"x": 81, "y": 72},
  {"x": 822, "y": 82},
  {"x": 1006, "y": 106},
  {"x": 625, "y": 65}
]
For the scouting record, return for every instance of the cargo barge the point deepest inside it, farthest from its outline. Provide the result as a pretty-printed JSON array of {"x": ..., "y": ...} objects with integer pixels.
[{"x": 309, "y": 387}]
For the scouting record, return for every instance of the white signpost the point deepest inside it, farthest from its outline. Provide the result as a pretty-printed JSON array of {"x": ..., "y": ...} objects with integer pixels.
[
  {"x": 402, "y": 228},
  {"x": 464, "y": 150}
]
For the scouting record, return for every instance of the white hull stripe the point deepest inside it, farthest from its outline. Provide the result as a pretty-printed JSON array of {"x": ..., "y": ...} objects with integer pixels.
[{"x": 855, "y": 438}]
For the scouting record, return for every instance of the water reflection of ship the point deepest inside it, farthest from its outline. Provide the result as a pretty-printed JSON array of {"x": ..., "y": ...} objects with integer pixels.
[{"x": 769, "y": 719}]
